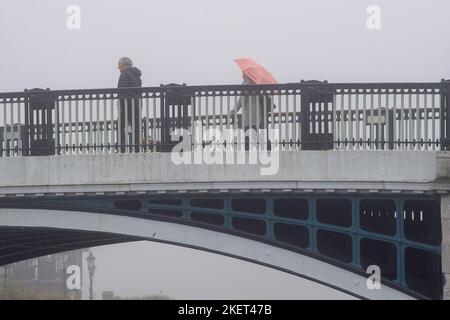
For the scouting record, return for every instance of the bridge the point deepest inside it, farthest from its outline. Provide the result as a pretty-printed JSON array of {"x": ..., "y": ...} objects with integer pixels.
[{"x": 328, "y": 180}]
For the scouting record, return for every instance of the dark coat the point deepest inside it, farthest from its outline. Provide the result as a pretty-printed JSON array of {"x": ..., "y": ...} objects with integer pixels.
[
  {"x": 128, "y": 99},
  {"x": 130, "y": 78}
]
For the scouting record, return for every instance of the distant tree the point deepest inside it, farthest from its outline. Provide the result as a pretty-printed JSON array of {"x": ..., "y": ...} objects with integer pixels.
[
  {"x": 14, "y": 292},
  {"x": 157, "y": 296}
]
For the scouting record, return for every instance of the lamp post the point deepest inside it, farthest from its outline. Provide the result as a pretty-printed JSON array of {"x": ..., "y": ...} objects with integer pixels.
[{"x": 91, "y": 267}]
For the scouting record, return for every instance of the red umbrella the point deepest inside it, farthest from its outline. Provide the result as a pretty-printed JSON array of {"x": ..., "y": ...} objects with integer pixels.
[{"x": 255, "y": 71}]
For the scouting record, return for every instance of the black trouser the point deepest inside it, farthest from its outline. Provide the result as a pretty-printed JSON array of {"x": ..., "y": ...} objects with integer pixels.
[
  {"x": 255, "y": 134},
  {"x": 128, "y": 108}
]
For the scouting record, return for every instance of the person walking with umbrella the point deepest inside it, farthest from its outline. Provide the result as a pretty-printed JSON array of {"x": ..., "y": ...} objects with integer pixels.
[{"x": 255, "y": 108}]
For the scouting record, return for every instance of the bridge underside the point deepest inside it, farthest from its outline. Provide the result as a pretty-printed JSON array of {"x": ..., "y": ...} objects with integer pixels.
[
  {"x": 399, "y": 233},
  {"x": 21, "y": 243}
]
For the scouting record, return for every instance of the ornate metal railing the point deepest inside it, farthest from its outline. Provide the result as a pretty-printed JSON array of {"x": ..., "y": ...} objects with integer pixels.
[{"x": 309, "y": 115}]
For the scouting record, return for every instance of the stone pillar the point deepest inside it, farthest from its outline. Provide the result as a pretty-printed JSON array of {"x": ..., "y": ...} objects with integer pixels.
[{"x": 445, "y": 218}]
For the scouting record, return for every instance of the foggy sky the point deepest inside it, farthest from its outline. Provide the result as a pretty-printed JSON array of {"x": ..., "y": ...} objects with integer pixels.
[
  {"x": 195, "y": 42},
  {"x": 141, "y": 268}
]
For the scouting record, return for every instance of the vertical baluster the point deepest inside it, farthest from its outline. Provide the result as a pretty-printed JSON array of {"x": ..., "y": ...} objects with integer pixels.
[
  {"x": 154, "y": 124},
  {"x": 235, "y": 124},
  {"x": 250, "y": 117},
  {"x": 19, "y": 128},
  {"x": 350, "y": 120},
  {"x": 83, "y": 128},
  {"x": 105, "y": 126},
  {"x": 394, "y": 120},
  {"x": 288, "y": 122},
  {"x": 364, "y": 120},
  {"x": 63, "y": 126},
  {"x": 402, "y": 124},
  {"x": 227, "y": 136},
  {"x": 371, "y": 134},
  {"x": 125, "y": 128},
  {"x": 77, "y": 129},
  {"x": 388, "y": 137},
  {"x": 280, "y": 122},
  {"x": 433, "y": 119},
  {"x": 333, "y": 125},
  {"x": 133, "y": 125},
  {"x": 418, "y": 121},
  {"x": 193, "y": 125},
  {"x": 112, "y": 128},
  {"x": 410, "y": 124},
  {"x": 147, "y": 123},
  {"x": 205, "y": 113},
  {"x": 56, "y": 125},
  {"x": 90, "y": 130},
  {"x": 139, "y": 111},
  {"x": 139, "y": 124},
  {"x": 11, "y": 128},
  {"x": 258, "y": 120},
  {"x": 228, "y": 110},
  {"x": 214, "y": 114},
  {"x": 70, "y": 125},
  {"x": 265, "y": 121},
  {"x": 343, "y": 122},
  {"x": 294, "y": 122},
  {"x": 119, "y": 126},
  {"x": 358, "y": 133},
  {"x": 271, "y": 100},
  {"x": 425, "y": 111},
  {"x": 221, "y": 112},
  {"x": 201, "y": 115},
  {"x": 97, "y": 125},
  {"x": 3, "y": 131},
  {"x": 380, "y": 131}
]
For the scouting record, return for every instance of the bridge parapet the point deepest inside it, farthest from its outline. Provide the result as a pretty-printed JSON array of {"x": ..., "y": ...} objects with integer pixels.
[
  {"x": 382, "y": 171},
  {"x": 310, "y": 115}
]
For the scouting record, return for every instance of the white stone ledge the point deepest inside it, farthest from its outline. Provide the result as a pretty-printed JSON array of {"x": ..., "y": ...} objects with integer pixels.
[{"x": 385, "y": 171}]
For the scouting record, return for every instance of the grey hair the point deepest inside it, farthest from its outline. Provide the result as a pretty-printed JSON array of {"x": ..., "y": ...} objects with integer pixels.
[{"x": 126, "y": 61}]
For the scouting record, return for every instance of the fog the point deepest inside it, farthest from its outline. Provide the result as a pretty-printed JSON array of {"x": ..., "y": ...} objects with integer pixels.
[
  {"x": 195, "y": 42},
  {"x": 141, "y": 268}
]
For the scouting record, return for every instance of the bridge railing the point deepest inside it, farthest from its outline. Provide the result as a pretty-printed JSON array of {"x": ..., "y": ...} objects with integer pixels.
[{"x": 309, "y": 115}]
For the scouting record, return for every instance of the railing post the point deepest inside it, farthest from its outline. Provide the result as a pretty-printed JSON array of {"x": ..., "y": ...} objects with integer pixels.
[
  {"x": 174, "y": 112},
  {"x": 316, "y": 115},
  {"x": 445, "y": 114},
  {"x": 390, "y": 128},
  {"x": 39, "y": 130}
]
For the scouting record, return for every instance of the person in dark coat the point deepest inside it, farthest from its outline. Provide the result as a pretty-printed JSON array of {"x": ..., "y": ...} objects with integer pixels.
[{"x": 129, "y": 104}]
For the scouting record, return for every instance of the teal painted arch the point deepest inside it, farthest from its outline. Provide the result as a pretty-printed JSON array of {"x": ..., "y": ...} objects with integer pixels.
[{"x": 327, "y": 225}]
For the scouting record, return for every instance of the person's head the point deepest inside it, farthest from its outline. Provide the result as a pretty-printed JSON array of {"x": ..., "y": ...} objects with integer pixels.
[{"x": 124, "y": 63}]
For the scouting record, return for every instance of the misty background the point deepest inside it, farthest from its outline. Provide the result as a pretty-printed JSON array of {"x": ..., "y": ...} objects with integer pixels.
[{"x": 195, "y": 42}]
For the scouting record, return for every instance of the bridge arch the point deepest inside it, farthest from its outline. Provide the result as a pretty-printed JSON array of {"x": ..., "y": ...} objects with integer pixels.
[{"x": 97, "y": 228}]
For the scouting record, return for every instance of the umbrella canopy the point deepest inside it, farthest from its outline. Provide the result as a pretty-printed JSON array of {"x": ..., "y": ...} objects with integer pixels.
[{"x": 255, "y": 71}]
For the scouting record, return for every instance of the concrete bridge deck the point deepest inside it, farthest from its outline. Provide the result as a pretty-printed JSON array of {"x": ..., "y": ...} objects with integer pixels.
[{"x": 338, "y": 171}]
